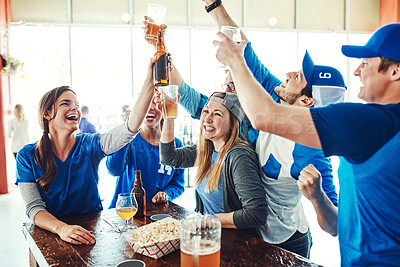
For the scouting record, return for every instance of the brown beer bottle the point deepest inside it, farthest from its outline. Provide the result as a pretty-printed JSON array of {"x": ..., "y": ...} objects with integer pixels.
[
  {"x": 140, "y": 195},
  {"x": 161, "y": 65}
]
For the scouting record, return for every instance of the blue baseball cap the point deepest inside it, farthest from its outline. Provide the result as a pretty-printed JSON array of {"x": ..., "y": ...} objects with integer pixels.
[
  {"x": 383, "y": 43},
  {"x": 326, "y": 83}
]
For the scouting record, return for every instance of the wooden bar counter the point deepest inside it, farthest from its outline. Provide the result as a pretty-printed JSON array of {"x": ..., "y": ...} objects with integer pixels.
[{"x": 237, "y": 248}]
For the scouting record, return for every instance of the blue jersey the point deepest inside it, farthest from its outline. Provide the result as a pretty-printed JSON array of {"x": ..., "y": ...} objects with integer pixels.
[
  {"x": 368, "y": 138},
  {"x": 141, "y": 155},
  {"x": 74, "y": 191}
]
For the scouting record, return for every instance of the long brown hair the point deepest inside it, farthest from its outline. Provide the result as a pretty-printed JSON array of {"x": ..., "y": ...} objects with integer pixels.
[
  {"x": 44, "y": 157},
  {"x": 205, "y": 150},
  {"x": 19, "y": 112}
]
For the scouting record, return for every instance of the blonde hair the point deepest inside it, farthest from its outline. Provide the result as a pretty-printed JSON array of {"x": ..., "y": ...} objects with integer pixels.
[
  {"x": 19, "y": 112},
  {"x": 205, "y": 150}
]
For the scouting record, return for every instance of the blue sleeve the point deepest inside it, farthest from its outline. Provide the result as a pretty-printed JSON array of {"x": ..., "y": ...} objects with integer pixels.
[
  {"x": 176, "y": 186},
  {"x": 354, "y": 130},
  {"x": 261, "y": 73},
  {"x": 116, "y": 162},
  {"x": 25, "y": 161},
  {"x": 192, "y": 100}
]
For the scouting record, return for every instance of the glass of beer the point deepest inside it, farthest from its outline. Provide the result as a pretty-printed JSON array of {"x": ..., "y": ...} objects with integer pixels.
[
  {"x": 170, "y": 99},
  {"x": 156, "y": 15},
  {"x": 232, "y": 32},
  {"x": 126, "y": 208},
  {"x": 200, "y": 241}
]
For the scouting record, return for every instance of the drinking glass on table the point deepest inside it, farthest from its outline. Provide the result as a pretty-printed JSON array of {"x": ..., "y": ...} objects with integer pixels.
[
  {"x": 233, "y": 33},
  {"x": 126, "y": 208},
  {"x": 155, "y": 14},
  {"x": 200, "y": 238}
]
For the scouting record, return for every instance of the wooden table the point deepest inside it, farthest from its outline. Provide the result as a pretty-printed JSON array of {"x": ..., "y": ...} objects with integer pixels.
[{"x": 237, "y": 248}]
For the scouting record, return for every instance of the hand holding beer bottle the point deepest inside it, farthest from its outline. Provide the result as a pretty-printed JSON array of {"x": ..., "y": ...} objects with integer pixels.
[{"x": 161, "y": 67}]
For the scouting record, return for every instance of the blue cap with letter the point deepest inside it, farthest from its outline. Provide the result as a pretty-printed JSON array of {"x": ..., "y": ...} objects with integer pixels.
[
  {"x": 326, "y": 83},
  {"x": 383, "y": 43}
]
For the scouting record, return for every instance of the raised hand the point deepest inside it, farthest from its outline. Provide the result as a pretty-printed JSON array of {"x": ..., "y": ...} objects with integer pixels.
[
  {"x": 146, "y": 30},
  {"x": 310, "y": 183}
]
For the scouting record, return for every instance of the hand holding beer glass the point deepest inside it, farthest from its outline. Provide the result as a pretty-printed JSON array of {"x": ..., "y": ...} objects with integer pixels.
[
  {"x": 200, "y": 241},
  {"x": 126, "y": 208},
  {"x": 170, "y": 98},
  {"x": 154, "y": 18},
  {"x": 233, "y": 33}
]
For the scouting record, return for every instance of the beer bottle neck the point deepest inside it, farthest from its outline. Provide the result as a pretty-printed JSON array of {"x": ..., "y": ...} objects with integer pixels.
[{"x": 160, "y": 42}]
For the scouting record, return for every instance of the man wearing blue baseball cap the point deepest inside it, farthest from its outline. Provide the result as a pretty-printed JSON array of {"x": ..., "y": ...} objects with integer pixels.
[{"x": 367, "y": 136}]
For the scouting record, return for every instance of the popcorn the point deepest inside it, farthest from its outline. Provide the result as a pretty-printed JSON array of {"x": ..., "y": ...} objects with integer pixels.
[{"x": 155, "y": 239}]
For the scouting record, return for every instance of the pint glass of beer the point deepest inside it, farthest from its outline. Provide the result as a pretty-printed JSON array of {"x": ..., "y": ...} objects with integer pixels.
[
  {"x": 200, "y": 241},
  {"x": 170, "y": 98},
  {"x": 156, "y": 14}
]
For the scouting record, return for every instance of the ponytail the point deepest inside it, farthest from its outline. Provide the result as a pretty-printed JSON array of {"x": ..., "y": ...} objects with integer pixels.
[{"x": 44, "y": 157}]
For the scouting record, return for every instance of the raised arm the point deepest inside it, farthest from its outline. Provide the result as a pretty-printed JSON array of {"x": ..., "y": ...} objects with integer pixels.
[
  {"x": 310, "y": 186},
  {"x": 183, "y": 157},
  {"x": 221, "y": 17},
  {"x": 294, "y": 123},
  {"x": 142, "y": 105},
  {"x": 121, "y": 135}
]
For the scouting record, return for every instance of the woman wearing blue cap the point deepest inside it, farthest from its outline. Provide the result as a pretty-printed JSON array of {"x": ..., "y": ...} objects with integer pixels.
[
  {"x": 367, "y": 136},
  {"x": 228, "y": 180}
]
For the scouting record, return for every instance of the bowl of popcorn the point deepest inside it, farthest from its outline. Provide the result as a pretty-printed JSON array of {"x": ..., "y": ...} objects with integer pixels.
[{"x": 156, "y": 239}]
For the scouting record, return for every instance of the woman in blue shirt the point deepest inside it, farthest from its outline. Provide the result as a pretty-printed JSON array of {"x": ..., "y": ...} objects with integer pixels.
[
  {"x": 58, "y": 175},
  {"x": 161, "y": 182}
]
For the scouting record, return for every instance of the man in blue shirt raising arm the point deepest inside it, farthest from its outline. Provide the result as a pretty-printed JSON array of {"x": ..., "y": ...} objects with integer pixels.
[{"x": 366, "y": 135}]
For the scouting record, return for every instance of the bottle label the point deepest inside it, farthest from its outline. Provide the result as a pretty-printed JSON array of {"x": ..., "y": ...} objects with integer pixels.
[
  {"x": 161, "y": 71},
  {"x": 141, "y": 201}
]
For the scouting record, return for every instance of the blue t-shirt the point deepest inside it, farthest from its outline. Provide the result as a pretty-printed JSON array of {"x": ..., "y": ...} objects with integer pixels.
[
  {"x": 74, "y": 191},
  {"x": 213, "y": 202},
  {"x": 368, "y": 138},
  {"x": 86, "y": 127},
  {"x": 141, "y": 155}
]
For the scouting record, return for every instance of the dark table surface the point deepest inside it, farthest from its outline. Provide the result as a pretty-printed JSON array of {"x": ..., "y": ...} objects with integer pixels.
[{"x": 237, "y": 248}]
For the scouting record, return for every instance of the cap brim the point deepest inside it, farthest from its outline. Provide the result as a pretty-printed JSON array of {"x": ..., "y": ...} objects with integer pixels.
[
  {"x": 358, "y": 51},
  {"x": 308, "y": 69}
]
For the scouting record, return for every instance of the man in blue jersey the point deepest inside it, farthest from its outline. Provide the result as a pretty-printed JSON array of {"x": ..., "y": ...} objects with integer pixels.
[{"x": 366, "y": 135}]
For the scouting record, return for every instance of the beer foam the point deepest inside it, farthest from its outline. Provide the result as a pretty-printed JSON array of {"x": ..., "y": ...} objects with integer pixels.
[{"x": 206, "y": 247}]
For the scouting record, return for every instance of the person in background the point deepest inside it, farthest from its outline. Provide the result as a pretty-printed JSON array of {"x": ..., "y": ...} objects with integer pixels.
[
  {"x": 58, "y": 175},
  {"x": 18, "y": 129},
  {"x": 161, "y": 182},
  {"x": 366, "y": 136},
  {"x": 86, "y": 126},
  {"x": 228, "y": 180}
]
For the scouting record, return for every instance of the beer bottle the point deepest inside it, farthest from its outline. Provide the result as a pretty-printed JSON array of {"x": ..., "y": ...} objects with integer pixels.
[
  {"x": 161, "y": 65},
  {"x": 140, "y": 195}
]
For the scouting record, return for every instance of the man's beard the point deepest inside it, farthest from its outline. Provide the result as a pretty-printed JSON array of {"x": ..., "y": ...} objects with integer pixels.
[{"x": 289, "y": 98}]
